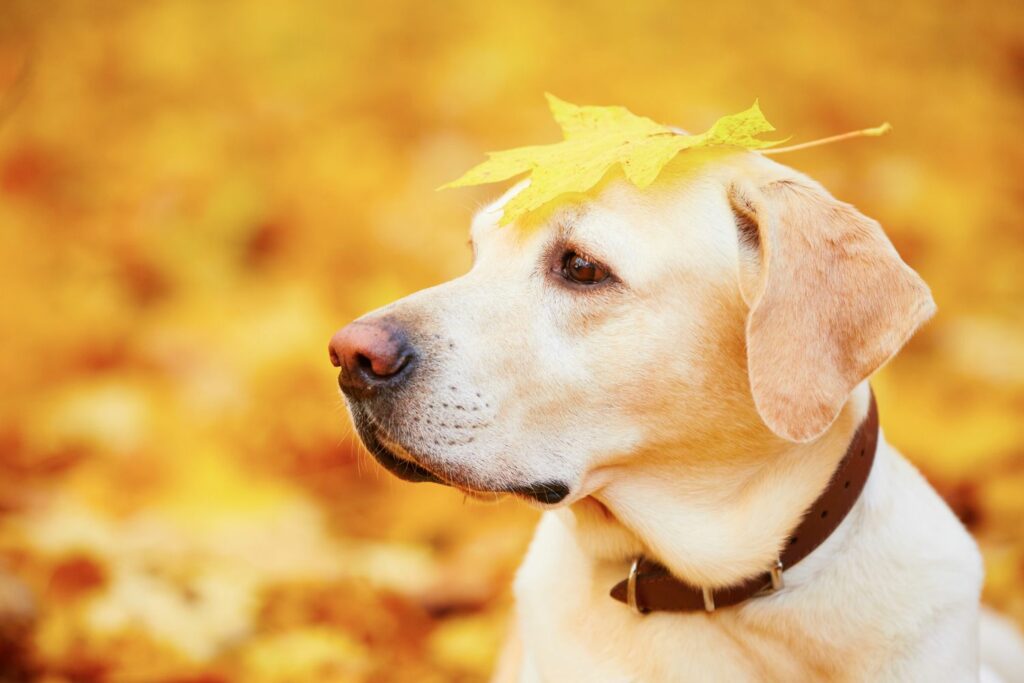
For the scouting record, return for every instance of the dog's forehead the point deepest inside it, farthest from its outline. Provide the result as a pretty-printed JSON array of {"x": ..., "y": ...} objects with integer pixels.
[{"x": 628, "y": 228}]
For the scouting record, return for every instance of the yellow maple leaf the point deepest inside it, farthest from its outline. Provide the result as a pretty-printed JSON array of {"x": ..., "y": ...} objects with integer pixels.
[{"x": 596, "y": 140}]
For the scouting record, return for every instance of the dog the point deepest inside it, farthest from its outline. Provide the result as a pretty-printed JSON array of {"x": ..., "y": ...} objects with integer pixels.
[{"x": 675, "y": 376}]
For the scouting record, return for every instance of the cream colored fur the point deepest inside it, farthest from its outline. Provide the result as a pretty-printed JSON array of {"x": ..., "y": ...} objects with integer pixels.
[{"x": 695, "y": 409}]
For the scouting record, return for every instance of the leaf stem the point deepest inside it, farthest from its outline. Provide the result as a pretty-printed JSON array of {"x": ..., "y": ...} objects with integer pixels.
[{"x": 865, "y": 132}]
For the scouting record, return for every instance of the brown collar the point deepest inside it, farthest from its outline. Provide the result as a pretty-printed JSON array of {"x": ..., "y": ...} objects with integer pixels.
[{"x": 650, "y": 587}]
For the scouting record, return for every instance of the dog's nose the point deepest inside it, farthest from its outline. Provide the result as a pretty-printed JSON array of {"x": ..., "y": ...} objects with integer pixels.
[{"x": 370, "y": 355}]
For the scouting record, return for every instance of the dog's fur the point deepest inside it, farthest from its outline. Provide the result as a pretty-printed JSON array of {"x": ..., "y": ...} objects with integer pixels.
[{"x": 694, "y": 404}]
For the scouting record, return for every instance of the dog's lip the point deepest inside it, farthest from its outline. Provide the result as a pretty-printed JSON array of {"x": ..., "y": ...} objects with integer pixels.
[
  {"x": 400, "y": 467},
  {"x": 397, "y": 459},
  {"x": 405, "y": 460},
  {"x": 548, "y": 493}
]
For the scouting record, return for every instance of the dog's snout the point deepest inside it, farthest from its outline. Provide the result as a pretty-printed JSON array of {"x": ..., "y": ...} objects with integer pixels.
[{"x": 371, "y": 355}]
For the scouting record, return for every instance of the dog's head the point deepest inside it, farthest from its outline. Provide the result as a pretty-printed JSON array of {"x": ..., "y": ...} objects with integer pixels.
[{"x": 738, "y": 301}]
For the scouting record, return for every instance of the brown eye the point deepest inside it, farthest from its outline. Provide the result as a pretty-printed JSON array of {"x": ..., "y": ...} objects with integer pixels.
[{"x": 578, "y": 269}]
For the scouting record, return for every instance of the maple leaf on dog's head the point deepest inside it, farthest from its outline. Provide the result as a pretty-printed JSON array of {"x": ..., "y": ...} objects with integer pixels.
[{"x": 598, "y": 139}]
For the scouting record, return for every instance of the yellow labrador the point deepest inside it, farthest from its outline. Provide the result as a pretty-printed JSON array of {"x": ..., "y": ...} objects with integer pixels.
[{"x": 675, "y": 374}]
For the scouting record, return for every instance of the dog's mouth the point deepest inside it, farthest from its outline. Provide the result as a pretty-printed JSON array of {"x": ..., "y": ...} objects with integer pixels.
[
  {"x": 400, "y": 467},
  {"x": 396, "y": 459}
]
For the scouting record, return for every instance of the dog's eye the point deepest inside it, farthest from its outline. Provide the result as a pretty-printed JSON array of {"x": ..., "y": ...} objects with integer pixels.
[{"x": 578, "y": 269}]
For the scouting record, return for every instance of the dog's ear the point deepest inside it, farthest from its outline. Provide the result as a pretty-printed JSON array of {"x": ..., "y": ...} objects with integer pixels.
[{"x": 830, "y": 301}]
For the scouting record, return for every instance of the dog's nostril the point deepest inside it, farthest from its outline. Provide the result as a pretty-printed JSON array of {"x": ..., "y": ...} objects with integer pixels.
[
  {"x": 335, "y": 361},
  {"x": 383, "y": 366},
  {"x": 363, "y": 362}
]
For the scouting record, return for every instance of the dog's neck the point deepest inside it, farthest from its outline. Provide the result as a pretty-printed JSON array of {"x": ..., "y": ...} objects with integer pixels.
[{"x": 715, "y": 530}]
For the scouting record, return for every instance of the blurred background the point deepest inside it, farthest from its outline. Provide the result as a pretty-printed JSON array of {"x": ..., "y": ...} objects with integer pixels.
[{"x": 195, "y": 194}]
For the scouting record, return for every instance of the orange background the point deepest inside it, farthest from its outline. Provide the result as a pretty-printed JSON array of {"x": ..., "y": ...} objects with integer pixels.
[{"x": 194, "y": 195}]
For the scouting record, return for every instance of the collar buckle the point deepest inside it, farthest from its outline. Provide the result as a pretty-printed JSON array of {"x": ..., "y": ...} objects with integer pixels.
[
  {"x": 631, "y": 587},
  {"x": 776, "y": 573},
  {"x": 776, "y": 583},
  {"x": 709, "y": 599}
]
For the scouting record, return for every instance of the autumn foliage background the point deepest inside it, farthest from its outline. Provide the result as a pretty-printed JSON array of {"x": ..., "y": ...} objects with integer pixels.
[{"x": 194, "y": 195}]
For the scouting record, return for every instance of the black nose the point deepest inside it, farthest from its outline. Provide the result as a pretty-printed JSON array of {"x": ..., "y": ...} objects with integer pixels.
[{"x": 372, "y": 355}]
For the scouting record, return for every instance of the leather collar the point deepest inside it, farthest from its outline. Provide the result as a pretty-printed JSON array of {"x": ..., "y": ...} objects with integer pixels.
[{"x": 650, "y": 587}]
